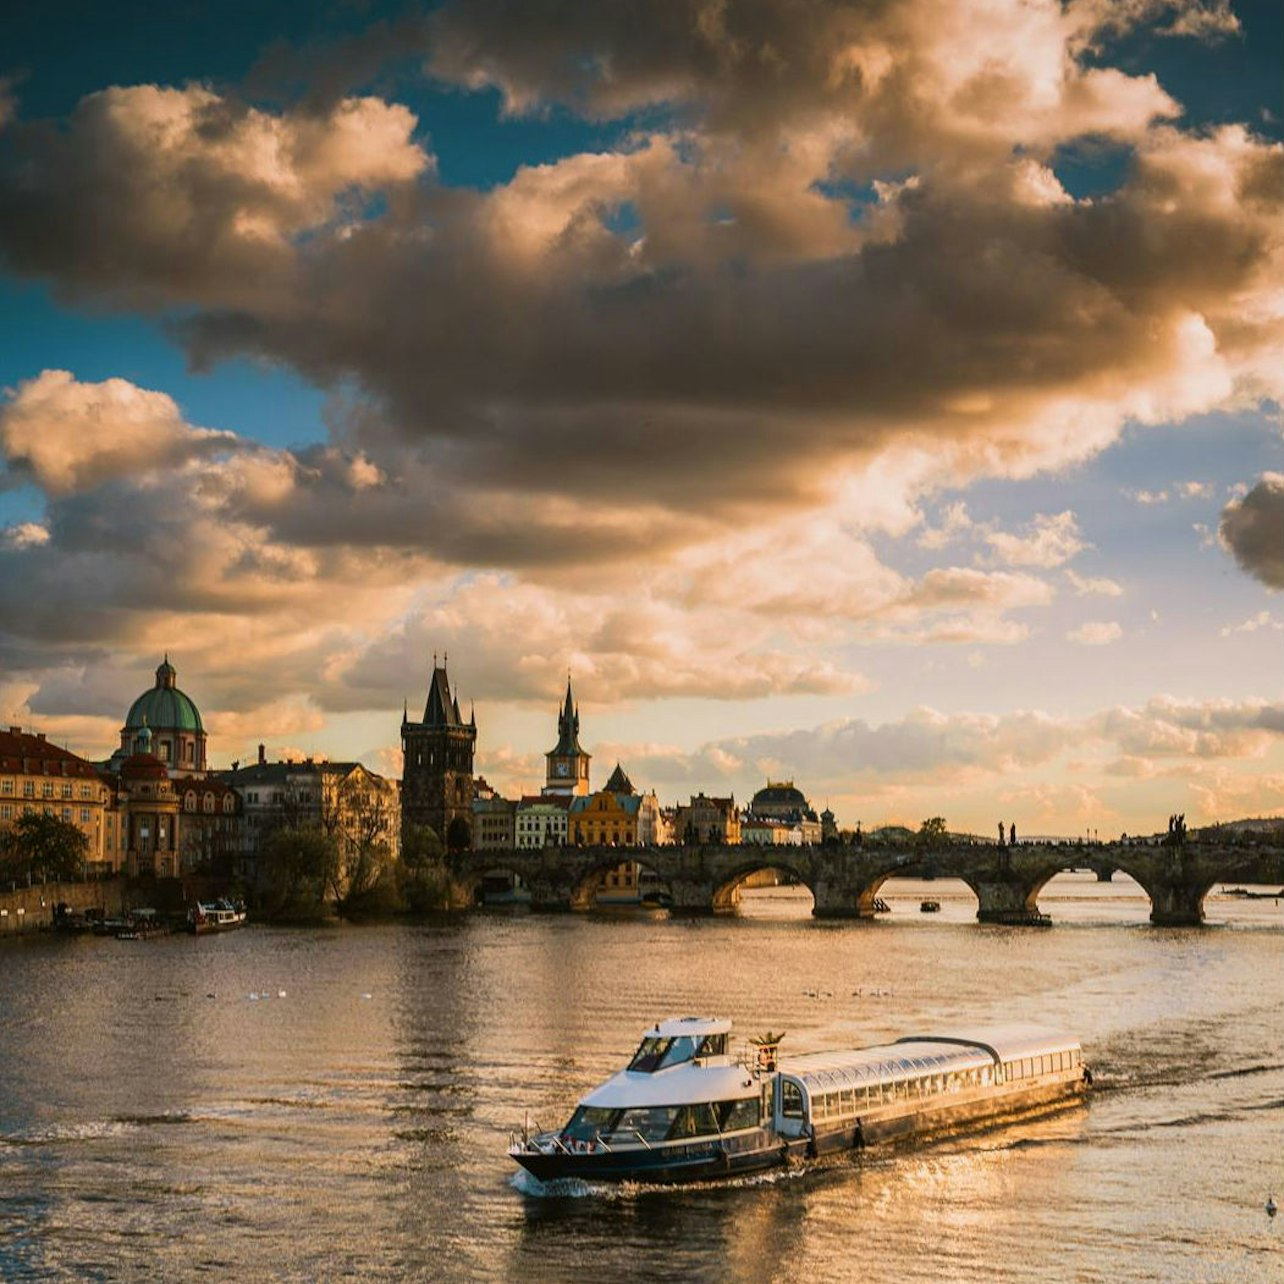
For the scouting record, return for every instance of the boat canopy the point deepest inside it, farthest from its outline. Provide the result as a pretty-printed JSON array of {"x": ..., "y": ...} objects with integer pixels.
[
  {"x": 822, "y": 1072},
  {"x": 676, "y": 1027},
  {"x": 1005, "y": 1042}
]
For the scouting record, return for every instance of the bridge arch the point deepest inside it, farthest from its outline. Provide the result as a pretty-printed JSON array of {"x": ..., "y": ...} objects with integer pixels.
[
  {"x": 757, "y": 860},
  {"x": 621, "y": 876},
  {"x": 1064, "y": 859},
  {"x": 901, "y": 866}
]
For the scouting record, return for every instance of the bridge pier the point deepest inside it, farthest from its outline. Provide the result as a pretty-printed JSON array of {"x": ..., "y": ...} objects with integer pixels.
[
  {"x": 1177, "y": 904},
  {"x": 1007, "y": 898},
  {"x": 1105, "y": 874}
]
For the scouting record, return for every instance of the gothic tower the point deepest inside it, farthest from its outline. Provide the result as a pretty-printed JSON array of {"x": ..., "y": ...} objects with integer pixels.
[
  {"x": 568, "y": 764},
  {"x": 437, "y": 777}
]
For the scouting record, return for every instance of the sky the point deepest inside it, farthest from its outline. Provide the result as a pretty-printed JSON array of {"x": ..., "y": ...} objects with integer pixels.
[{"x": 883, "y": 396}]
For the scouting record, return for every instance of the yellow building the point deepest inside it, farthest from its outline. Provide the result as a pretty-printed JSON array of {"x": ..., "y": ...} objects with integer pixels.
[
  {"x": 36, "y": 776},
  {"x": 617, "y": 816},
  {"x": 605, "y": 819}
]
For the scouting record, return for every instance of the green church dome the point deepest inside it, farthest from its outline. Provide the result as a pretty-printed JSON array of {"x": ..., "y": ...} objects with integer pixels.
[{"x": 164, "y": 707}]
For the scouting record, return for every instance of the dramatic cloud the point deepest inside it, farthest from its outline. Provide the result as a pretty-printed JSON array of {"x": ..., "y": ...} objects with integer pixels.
[
  {"x": 1252, "y": 530},
  {"x": 68, "y": 436},
  {"x": 834, "y": 236}
]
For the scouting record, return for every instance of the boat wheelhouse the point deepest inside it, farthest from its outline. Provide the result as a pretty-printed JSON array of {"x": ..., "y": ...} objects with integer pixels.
[{"x": 685, "y": 1108}]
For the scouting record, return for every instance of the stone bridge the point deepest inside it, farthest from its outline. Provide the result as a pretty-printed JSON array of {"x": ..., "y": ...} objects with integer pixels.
[{"x": 844, "y": 880}]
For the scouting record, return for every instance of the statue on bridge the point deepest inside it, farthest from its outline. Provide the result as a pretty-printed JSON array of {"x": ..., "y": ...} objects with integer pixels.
[
  {"x": 1002, "y": 840},
  {"x": 1012, "y": 838}
]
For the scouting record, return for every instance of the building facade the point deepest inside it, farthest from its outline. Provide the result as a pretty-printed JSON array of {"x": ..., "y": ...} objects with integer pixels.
[
  {"x": 541, "y": 820},
  {"x": 437, "y": 775},
  {"x": 145, "y": 821},
  {"x": 36, "y": 776},
  {"x": 707, "y": 820},
  {"x": 494, "y": 819},
  {"x": 357, "y": 807}
]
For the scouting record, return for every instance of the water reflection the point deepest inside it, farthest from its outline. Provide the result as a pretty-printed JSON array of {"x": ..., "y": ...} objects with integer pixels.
[{"x": 156, "y": 1120}]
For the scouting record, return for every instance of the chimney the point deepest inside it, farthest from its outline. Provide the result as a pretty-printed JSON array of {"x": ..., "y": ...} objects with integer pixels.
[
  {"x": 40, "y": 735},
  {"x": 262, "y": 755}
]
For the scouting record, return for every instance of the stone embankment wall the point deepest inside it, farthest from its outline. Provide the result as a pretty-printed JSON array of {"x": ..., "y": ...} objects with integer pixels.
[{"x": 30, "y": 909}]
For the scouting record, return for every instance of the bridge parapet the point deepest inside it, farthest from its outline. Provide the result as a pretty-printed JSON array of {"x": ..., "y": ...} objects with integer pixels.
[{"x": 844, "y": 879}]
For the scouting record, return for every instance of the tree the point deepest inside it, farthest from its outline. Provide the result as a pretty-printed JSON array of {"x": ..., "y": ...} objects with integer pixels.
[
  {"x": 422, "y": 873},
  {"x": 932, "y": 833},
  {"x": 296, "y": 869},
  {"x": 44, "y": 847}
]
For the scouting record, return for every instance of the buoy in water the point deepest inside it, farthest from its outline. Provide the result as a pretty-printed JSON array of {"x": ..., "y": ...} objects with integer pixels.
[{"x": 1271, "y": 1207}]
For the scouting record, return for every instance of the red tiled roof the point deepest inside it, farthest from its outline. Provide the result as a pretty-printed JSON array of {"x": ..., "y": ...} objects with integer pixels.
[{"x": 31, "y": 755}]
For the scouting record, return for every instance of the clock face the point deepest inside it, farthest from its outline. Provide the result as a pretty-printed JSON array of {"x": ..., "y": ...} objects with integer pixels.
[{"x": 561, "y": 768}]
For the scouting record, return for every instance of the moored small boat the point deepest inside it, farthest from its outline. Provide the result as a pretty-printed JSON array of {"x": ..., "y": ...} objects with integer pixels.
[
  {"x": 685, "y": 1109},
  {"x": 215, "y": 916}
]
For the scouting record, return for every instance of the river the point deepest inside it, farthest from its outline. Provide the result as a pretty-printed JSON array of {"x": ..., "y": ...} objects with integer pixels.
[{"x": 336, "y": 1103}]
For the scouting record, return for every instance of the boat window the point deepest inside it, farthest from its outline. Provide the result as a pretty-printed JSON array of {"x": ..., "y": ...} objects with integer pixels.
[
  {"x": 712, "y": 1045},
  {"x": 693, "y": 1121},
  {"x": 649, "y": 1054},
  {"x": 791, "y": 1100},
  {"x": 738, "y": 1114},
  {"x": 652, "y": 1123},
  {"x": 588, "y": 1121}
]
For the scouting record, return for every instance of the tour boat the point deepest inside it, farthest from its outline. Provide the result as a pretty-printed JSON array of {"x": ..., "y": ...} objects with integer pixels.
[
  {"x": 686, "y": 1109},
  {"x": 215, "y": 916}
]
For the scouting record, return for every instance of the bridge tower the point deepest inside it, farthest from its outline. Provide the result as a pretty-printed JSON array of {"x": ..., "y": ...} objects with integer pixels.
[{"x": 437, "y": 776}]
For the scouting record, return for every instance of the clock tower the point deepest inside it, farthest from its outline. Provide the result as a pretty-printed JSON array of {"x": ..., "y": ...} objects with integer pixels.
[{"x": 568, "y": 764}]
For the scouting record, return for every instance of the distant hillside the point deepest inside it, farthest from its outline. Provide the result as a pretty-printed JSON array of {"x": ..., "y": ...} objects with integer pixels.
[{"x": 1253, "y": 825}]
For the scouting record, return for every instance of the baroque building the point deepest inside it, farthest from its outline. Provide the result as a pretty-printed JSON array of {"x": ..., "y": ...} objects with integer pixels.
[
  {"x": 437, "y": 776},
  {"x": 169, "y": 715}
]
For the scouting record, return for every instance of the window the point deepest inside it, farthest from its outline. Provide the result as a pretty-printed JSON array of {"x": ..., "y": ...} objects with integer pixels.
[
  {"x": 693, "y": 1121},
  {"x": 739, "y": 1114},
  {"x": 28, "y": 788},
  {"x": 46, "y": 790},
  {"x": 791, "y": 1100},
  {"x": 208, "y": 802},
  {"x": 588, "y": 1121},
  {"x": 189, "y": 800},
  {"x": 6, "y": 811},
  {"x": 66, "y": 789},
  {"x": 84, "y": 815},
  {"x": 6, "y": 786},
  {"x": 86, "y": 791}
]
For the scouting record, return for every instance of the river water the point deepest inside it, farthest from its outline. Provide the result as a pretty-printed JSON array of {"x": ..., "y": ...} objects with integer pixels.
[{"x": 336, "y": 1103}]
